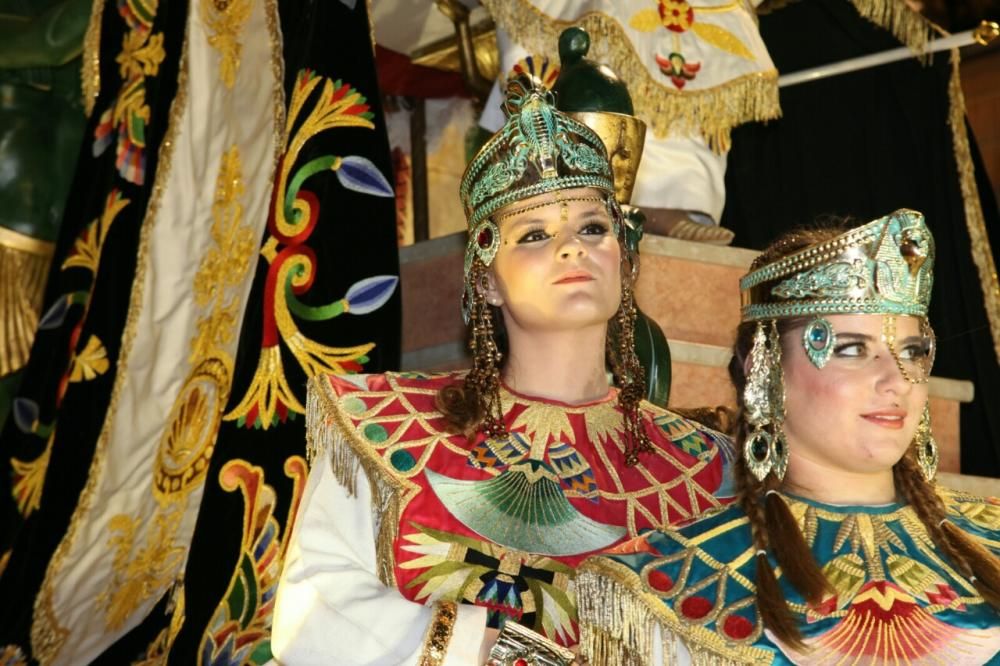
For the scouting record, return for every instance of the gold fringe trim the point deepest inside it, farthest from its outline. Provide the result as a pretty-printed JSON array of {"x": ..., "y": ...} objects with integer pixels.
[
  {"x": 906, "y": 24},
  {"x": 618, "y": 615},
  {"x": 712, "y": 113},
  {"x": 22, "y": 286},
  {"x": 329, "y": 430},
  {"x": 982, "y": 253},
  {"x": 90, "y": 68},
  {"x": 47, "y": 636}
]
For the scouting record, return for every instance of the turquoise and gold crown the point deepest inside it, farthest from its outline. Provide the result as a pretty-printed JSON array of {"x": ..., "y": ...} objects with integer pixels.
[
  {"x": 539, "y": 149},
  {"x": 883, "y": 267}
]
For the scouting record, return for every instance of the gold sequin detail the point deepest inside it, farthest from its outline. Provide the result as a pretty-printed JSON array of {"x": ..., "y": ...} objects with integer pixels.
[{"x": 439, "y": 634}]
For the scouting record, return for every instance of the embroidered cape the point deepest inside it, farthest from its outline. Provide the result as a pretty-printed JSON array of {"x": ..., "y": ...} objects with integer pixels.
[
  {"x": 895, "y": 599},
  {"x": 504, "y": 524}
]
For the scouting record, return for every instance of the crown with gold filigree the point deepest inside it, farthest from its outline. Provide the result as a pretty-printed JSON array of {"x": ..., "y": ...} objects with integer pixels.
[
  {"x": 539, "y": 149},
  {"x": 883, "y": 267}
]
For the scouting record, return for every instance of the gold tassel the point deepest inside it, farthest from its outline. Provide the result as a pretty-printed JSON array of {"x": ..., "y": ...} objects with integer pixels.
[
  {"x": 618, "y": 615},
  {"x": 906, "y": 24},
  {"x": 24, "y": 267},
  {"x": 713, "y": 112},
  {"x": 616, "y": 628},
  {"x": 328, "y": 430},
  {"x": 982, "y": 253}
]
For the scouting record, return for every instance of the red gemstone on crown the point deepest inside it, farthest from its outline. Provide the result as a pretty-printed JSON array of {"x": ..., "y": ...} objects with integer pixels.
[{"x": 485, "y": 238}]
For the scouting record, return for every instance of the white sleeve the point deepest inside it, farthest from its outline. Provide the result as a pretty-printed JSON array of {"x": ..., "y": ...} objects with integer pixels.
[{"x": 331, "y": 608}]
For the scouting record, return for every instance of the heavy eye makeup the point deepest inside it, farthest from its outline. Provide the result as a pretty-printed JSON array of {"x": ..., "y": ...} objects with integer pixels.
[
  {"x": 589, "y": 227},
  {"x": 852, "y": 346}
]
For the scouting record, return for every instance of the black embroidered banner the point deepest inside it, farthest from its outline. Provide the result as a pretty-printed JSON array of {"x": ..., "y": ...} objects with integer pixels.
[{"x": 49, "y": 440}]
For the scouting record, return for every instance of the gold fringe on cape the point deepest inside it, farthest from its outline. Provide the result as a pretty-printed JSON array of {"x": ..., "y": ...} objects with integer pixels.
[
  {"x": 982, "y": 253},
  {"x": 24, "y": 267},
  {"x": 329, "y": 431},
  {"x": 713, "y": 112},
  {"x": 618, "y": 615},
  {"x": 906, "y": 24}
]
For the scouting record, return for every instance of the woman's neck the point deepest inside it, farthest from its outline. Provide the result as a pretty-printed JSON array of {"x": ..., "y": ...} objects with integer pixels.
[
  {"x": 811, "y": 480},
  {"x": 567, "y": 366}
]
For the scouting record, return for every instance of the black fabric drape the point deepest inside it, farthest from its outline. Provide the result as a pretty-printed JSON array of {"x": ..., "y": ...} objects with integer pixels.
[
  {"x": 53, "y": 411},
  {"x": 864, "y": 144},
  {"x": 227, "y": 599}
]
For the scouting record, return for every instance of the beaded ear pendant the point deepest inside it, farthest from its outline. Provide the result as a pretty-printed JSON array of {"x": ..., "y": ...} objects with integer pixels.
[{"x": 819, "y": 340}]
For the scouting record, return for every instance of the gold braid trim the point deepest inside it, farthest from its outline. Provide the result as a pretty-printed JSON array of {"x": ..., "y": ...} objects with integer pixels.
[
  {"x": 906, "y": 24},
  {"x": 90, "y": 74},
  {"x": 982, "y": 253},
  {"x": 618, "y": 614},
  {"x": 713, "y": 112},
  {"x": 328, "y": 429},
  {"x": 438, "y": 634},
  {"x": 24, "y": 266}
]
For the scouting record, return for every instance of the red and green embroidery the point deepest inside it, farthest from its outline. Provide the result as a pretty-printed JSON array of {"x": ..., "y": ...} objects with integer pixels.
[
  {"x": 239, "y": 632},
  {"x": 124, "y": 122},
  {"x": 292, "y": 218}
]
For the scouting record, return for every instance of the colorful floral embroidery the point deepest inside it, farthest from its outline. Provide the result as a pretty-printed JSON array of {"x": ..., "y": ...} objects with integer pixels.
[
  {"x": 293, "y": 217},
  {"x": 239, "y": 632},
  {"x": 84, "y": 365},
  {"x": 127, "y": 117}
]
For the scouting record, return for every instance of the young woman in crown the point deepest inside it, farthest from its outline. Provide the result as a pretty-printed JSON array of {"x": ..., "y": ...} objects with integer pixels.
[
  {"x": 445, "y": 514},
  {"x": 840, "y": 549}
]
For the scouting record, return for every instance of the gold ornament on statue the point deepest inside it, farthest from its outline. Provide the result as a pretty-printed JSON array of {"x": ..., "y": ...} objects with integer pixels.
[{"x": 623, "y": 135}]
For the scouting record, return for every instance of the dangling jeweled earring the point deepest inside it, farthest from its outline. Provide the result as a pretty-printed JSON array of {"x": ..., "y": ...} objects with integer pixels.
[
  {"x": 765, "y": 450},
  {"x": 927, "y": 448}
]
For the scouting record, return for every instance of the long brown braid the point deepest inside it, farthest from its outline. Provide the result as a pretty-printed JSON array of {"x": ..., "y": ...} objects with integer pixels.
[
  {"x": 774, "y": 528},
  {"x": 967, "y": 555}
]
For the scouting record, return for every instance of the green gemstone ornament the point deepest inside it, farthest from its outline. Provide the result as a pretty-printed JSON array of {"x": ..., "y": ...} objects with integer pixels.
[{"x": 818, "y": 338}]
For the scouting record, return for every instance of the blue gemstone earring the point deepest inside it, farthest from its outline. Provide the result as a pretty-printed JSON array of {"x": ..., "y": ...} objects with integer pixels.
[{"x": 819, "y": 340}]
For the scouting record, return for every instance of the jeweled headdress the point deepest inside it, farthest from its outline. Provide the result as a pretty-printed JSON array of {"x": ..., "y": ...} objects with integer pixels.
[
  {"x": 538, "y": 150},
  {"x": 885, "y": 267}
]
